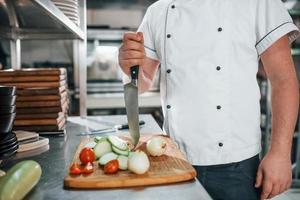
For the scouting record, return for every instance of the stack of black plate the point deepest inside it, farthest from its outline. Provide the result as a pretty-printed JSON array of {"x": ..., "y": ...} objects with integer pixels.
[{"x": 8, "y": 140}]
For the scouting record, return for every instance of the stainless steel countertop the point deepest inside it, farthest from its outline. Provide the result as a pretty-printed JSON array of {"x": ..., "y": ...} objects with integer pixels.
[{"x": 56, "y": 160}]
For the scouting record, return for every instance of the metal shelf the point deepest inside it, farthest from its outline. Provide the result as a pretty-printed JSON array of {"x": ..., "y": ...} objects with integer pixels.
[
  {"x": 41, "y": 19},
  {"x": 35, "y": 19}
]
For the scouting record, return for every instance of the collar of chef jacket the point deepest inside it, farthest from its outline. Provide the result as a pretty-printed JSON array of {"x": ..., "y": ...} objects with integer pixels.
[{"x": 209, "y": 52}]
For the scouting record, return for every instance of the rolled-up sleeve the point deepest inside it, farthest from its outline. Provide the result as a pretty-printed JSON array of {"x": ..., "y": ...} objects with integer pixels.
[
  {"x": 147, "y": 31},
  {"x": 273, "y": 22}
]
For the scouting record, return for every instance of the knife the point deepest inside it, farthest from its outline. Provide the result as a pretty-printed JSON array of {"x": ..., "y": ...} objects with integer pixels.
[
  {"x": 108, "y": 130},
  {"x": 132, "y": 105}
]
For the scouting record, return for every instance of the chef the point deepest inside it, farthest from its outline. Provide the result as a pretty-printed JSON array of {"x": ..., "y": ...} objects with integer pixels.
[{"x": 209, "y": 53}]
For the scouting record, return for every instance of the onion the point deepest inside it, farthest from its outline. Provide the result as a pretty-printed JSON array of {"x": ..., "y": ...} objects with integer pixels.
[
  {"x": 156, "y": 146},
  {"x": 138, "y": 162}
]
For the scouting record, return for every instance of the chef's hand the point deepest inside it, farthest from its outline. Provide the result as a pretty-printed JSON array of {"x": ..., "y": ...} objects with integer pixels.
[
  {"x": 132, "y": 51},
  {"x": 274, "y": 175}
]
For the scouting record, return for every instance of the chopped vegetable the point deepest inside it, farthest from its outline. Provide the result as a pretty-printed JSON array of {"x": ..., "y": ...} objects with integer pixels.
[
  {"x": 111, "y": 167},
  {"x": 98, "y": 139},
  {"x": 88, "y": 168},
  {"x": 90, "y": 144},
  {"x": 20, "y": 180},
  {"x": 117, "y": 142},
  {"x": 75, "y": 169},
  {"x": 102, "y": 148},
  {"x": 120, "y": 152},
  {"x": 87, "y": 155},
  {"x": 138, "y": 162},
  {"x": 107, "y": 157},
  {"x": 157, "y": 146},
  {"x": 123, "y": 162}
]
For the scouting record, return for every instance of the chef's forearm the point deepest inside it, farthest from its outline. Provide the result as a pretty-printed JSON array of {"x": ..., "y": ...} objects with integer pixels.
[
  {"x": 147, "y": 74},
  {"x": 285, "y": 102},
  {"x": 145, "y": 82}
]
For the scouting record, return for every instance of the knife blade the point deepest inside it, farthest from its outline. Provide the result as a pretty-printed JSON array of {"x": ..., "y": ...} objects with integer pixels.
[
  {"x": 108, "y": 130},
  {"x": 132, "y": 105}
]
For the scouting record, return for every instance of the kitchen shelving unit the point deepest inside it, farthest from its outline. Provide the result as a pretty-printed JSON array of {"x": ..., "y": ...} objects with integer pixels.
[{"x": 39, "y": 20}]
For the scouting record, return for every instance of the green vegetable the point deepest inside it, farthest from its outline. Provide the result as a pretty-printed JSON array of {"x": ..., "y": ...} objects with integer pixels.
[
  {"x": 107, "y": 157},
  {"x": 100, "y": 139},
  {"x": 19, "y": 180},
  {"x": 117, "y": 142},
  {"x": 123, "y": 162},
  {"x": 90, "y": 144},
  {"x": 120, "y": 152},
  {"x": 102, "y": 148}
]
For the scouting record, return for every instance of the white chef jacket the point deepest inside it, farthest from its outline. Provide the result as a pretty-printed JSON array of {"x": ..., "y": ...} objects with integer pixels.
[{"x": 209, "y": 52}]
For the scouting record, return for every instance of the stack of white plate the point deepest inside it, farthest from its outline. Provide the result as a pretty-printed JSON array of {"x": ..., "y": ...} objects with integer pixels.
[{"x": 69, "y": 8}]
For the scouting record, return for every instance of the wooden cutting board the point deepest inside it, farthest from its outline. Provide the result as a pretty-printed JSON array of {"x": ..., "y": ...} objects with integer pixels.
[
  {"x": 22, "y": 85},
  {"x": 169, "y": 168},
  {"x": 40, "y": 128},
  {"x": 41, "y": 91},
  {"x": 42, "y": 97},
  {"x": 16, "y": 79},
  {"x": 63, "y": 108},
  {"x": 29, "y": 145},
  {"x": 25, "y": 135},
  {"x": 33, "y": 72},
  {"x": 37, "y": 122},
  {"x": 38, "y": 104},
  {"x": 39, "y": 116}
]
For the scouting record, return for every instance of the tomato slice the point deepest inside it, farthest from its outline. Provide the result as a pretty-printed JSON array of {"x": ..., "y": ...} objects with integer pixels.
[
  {"x": 87, "y": 155},
  {"x": 89, "y": 168},
  {"x": 75, "y": 169},
  {"x": 111, "y": 167}
]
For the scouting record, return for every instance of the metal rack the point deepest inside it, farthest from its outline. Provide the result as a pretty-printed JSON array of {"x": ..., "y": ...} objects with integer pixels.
[{"x": 39, "y": 20}]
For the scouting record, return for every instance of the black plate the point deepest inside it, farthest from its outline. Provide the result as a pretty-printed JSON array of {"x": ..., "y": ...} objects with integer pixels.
[
  {"x": 4, "y": 148},
  {"x": 9, "y": 148},
  {"x": 8, "y": 140},
  {"x": 9, "y": 153},
  {"x": 8, "y": 135},
  {"x": 8, "y": 100},
  {"x": 5, "y": 110},
  {"x": 7, "y": 90},
  {"x": 6, "y": 123}
]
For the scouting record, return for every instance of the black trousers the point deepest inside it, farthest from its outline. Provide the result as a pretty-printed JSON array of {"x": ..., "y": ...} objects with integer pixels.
[{"x": 234, "y": 181}]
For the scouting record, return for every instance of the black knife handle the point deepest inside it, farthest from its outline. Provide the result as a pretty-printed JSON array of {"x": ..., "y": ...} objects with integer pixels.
[
  {"x": 134, "y": 72},
  {"x": 125, "y": 126}
]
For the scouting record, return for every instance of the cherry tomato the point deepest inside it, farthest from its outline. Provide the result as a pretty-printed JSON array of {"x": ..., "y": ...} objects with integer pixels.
[
  {"x": 89, "y": 168},
  {"x": 87, "y": 155},
  {"x": 75, "y": 169},
  {"x": 111, "y": 167}
]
